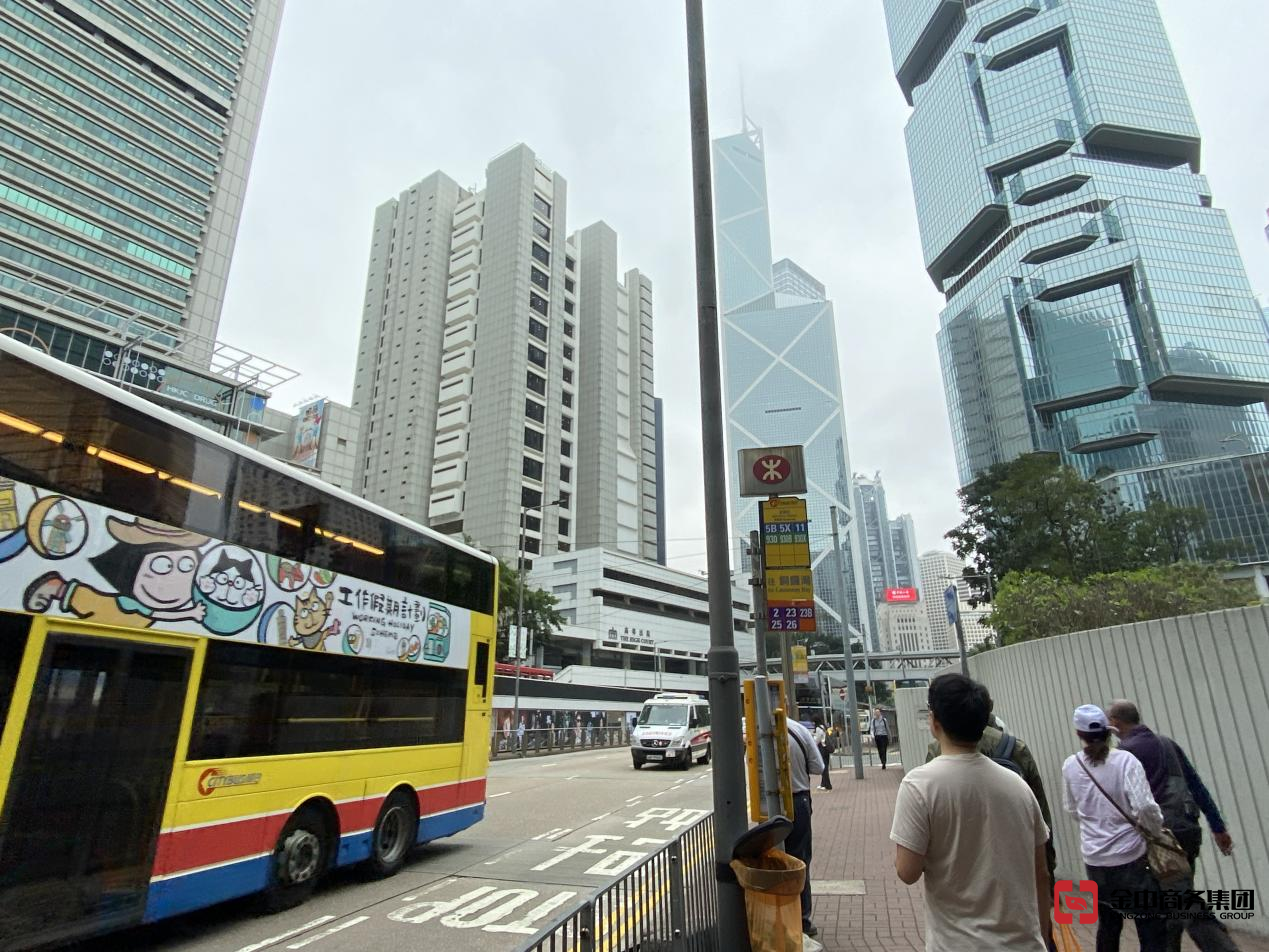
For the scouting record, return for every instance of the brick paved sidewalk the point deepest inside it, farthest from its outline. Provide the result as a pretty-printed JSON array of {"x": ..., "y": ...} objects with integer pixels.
[{"x": 852, "y": 842}]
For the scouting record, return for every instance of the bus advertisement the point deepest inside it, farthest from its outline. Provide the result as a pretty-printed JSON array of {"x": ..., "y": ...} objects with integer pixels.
[{"x": 218, "y": 675}]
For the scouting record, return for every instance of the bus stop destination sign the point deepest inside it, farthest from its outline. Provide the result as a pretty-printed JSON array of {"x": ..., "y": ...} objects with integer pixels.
[{"x": 772, "y": 471}]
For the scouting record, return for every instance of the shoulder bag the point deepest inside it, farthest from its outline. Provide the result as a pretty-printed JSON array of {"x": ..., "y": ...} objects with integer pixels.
[{"x": 1164, "y": 856}]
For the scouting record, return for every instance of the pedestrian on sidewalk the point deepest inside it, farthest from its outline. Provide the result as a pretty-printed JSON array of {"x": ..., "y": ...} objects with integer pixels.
[
  {"x": 879, "y": 727},
  {"x": 1099, "y": 783},
  {"x": 1013, "y": 753},
  {"x": 821, "y": 742},
  {"x": 804, "y": 763},
  {"x": 974, "y": 830},
  {"x": 1181, "y": 794}
]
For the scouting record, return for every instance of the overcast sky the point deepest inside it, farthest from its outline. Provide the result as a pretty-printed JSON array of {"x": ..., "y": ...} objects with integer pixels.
[{"x": 362, "y": 104}]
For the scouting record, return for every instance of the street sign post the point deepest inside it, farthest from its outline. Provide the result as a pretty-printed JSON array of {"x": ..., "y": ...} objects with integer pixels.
[
  {"x": 952, "y": 601},
  {"x": 772, "y": 471}
]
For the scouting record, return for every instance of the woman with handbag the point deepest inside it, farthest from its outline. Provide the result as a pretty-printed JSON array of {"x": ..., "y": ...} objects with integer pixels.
[{"x": 1108, "y": 793}]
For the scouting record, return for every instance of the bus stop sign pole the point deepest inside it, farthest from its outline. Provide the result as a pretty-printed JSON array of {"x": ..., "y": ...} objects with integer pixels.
[{"x": 724, "y": 663}]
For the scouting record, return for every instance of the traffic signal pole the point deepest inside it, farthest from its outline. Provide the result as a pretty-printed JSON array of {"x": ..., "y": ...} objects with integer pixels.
[{"x": 730, "y": 820}]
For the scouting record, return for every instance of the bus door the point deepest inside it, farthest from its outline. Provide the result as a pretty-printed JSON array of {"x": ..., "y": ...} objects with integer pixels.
[{"x": 87, "y": 783}]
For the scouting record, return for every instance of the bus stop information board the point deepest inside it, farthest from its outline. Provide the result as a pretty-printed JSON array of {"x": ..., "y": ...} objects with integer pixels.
[{"x": 787, "y": 553}]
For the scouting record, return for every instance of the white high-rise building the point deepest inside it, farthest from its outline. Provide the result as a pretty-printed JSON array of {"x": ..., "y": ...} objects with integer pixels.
[
  {"x": 616, "y": 502},
  {"x": 938, "y": 571},
  {"x": 903, "y": 626},
  {"x": 470, "y": 369}
]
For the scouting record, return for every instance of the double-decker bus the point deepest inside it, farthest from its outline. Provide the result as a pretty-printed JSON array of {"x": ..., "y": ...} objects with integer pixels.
[{"x": 218, "y": 675}]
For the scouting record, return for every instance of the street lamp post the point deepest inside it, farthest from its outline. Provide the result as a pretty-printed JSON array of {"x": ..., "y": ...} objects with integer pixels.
[{"x": 524, "y": 512}]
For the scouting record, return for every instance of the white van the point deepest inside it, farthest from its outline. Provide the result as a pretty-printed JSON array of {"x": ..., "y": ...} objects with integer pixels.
[{"x": 672, "y": 728}]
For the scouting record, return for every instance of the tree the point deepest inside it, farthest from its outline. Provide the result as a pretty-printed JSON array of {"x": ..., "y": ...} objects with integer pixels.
[
  {"x": 1035, "y": 515},
  {"x": 541, "y": 618},
  {"x": 1032, "y": 605}
]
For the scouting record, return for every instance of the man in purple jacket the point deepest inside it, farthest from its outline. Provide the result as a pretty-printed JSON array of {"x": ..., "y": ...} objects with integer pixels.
[{"x": 1181, "y": 794}]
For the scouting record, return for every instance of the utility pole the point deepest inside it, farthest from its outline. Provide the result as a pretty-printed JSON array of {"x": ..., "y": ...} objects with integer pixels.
[
  {"x": 951, "y": 600},
  {"x": 768, "y": 772},
  {"x": 852, "y": 699},
  {"x": 730, "y": 819}
]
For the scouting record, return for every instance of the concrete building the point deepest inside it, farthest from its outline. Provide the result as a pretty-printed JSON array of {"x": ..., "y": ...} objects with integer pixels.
[
  {"x": 661, "y": 537},
  {"x": 1097, "y": 304},
  {"x": 907, "y": 570},
  {"x": 126, "y": 136},
  {"x": 321, "y": 437},
  {"x": 938, "y": 571},
  {"x": 631, "y": 621},
  {"x": 782, "y": 379},
  {"x": 489, "y": 387},
  {"x": 616, "y": 502},
  {"x": 903, "y": 626}
]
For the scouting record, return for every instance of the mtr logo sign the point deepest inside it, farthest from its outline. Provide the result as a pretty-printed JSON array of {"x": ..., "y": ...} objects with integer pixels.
[{"x": 1070, "y": 902}]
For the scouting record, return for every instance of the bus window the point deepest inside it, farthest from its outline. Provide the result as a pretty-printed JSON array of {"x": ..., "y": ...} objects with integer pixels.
[
  {"x": 73, "y": 440},
  {"x": 13, "y": 632},
  {"x": 258, "y": 701},
  {"x": 271, "y": 512}
]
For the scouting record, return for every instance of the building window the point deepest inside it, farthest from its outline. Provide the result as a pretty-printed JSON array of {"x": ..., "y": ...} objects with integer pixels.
[
  {"x": 566, "y": 501},
  {"x": 537, "y": 328},
  {"x": 569, "y": 263},
  {"x": 566, "y": 424},
  {"x": 541, "y": 230},
  {"x": 538, "y": 303},
  {"x": 568, "y": 306},
  {"x": 540, "y": 279},
  {"x": 535, "y": 411},
  {"x": 537, "y": 355},
  {"x": 568, "y": 374},
  {"x": 570, "y": 285},
  {"x": 532, "y": 545},
  {"x": 534, "y": 440},
  {"x": 541, "y": 254},
  {"x": 568, "y": 329},
  {"x": 541, "y": 206},
  {"x": 566, "y": 474},
  {"x": 565, "y": 527},
  {"x": 532, "y": 468},
  {"x": 568, "y": 399},
  {"x": 568, "y": 351},
  {"x": 532, "y": 523},
  {"x": 535, "y": 383},
  {"x": 566, "y": 449},
  {"x": 530, "y": 497}
]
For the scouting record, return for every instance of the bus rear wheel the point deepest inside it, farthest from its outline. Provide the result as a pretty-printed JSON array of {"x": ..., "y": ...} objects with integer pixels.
[
  {"x": 300, "y": 857},
  {"x": 396, "y": 831}
]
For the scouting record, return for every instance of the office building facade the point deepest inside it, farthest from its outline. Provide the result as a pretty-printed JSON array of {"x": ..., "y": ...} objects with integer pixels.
[
  {"x": 875, "y": 540},
  {"x": 126, "y": 135},
  {"x": 907, "y": 570},
  {"x": 617, "y": 507},
  {"x": 1097, "y": 306},
  {"x": 480, "y": 400},
  {"x": 781, "y": 377}
]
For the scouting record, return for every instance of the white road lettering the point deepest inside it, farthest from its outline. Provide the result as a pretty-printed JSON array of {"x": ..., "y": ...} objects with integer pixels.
[
  {"x": 558, "y": 833},
  {"x": 524, "y": 925},
  {"x": 327, "y": 932},
  {"x": 265, "y": 943},
  {"x": 419, "y": 912},
  {"x": 586, "y": 847},
  {"x": 510, "y": 899},
  {"x": 616, "y": 863}
]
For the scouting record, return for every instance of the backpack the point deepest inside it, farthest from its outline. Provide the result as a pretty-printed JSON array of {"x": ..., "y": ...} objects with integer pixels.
[{"x": 1003, "y": 754}]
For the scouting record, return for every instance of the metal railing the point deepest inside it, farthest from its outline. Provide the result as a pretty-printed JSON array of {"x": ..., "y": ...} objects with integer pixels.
[
  {"x": 668, "y": 903},
  {"x": 554, "y": 740}
]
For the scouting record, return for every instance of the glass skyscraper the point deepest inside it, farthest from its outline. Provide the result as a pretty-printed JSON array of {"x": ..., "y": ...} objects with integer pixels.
[
  {"x": 781, "y": 377},
  {"x": 1097, "y": 306},
  {"x": 126, "y": 134}
]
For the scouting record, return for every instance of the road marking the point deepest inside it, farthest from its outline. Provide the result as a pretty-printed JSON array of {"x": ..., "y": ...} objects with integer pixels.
[
  {"x": 660, "y": 793},
  {"x": 554, "y": 834},
  {"x": 327, "y": 932},
  {"x": 596, "y": 819},
  {"x": 494, "y": 796},
  {"x": 635, "y": 799},
  {"x": 587, "y": 847},
  {"x": 265, "y": 943}
]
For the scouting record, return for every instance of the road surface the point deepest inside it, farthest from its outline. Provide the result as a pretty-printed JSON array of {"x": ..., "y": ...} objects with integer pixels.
[{"x": 557, "y": 829}]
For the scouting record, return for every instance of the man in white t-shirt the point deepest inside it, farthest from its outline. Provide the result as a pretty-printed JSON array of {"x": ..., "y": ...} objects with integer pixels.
[{"x": 974, "y": 830}]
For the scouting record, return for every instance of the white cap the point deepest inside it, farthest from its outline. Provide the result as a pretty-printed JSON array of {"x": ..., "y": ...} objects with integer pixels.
[{"x": 1090, "y": 718}]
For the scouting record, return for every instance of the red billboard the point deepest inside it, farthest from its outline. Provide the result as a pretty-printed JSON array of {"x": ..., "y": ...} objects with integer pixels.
[{"x": 902, "y": 595}]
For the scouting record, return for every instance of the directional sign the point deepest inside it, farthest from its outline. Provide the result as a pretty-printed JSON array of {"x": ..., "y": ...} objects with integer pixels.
[
  {"x": 772, "y": 471},
  {"x": 789, "y": 585}
]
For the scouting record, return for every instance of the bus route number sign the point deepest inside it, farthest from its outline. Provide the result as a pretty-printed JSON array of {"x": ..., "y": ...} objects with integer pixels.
[{"x": 791, "y": 617}]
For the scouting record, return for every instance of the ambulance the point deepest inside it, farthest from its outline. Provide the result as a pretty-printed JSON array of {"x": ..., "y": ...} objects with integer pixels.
[{"x": 672, "y": 728}]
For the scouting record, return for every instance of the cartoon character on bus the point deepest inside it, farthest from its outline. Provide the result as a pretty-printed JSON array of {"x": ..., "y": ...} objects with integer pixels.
[
  {"x": 152, "y": 568},
  {"x": 310, "y": 628}
]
